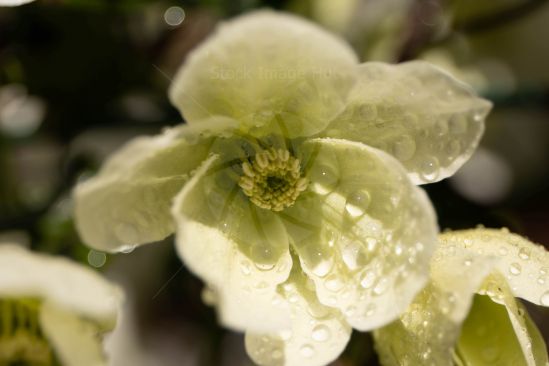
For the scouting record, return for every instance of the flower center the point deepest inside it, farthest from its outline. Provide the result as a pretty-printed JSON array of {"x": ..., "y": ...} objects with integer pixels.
[
  {"x": 273, "y": 180},
  {"x": 21, "y": 340}
]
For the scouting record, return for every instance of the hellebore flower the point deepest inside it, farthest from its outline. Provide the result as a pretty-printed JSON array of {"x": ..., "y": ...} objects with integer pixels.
[
  {"x": 468, "y": 314},
  {"x": 291, "y": 189},
  {"x": 52, "y": 312},
  {"x": 14, "y": 2}
]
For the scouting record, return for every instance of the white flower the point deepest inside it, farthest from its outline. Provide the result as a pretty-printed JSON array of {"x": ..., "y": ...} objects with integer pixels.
[
  {"x": 14, "y": 2},
  {"x": 291, "y": 189},
  {"x": 52, "y": 311},
  {"x": 468, "y": 314}
]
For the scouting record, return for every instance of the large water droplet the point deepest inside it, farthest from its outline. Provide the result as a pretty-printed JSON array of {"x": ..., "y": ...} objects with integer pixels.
[
  {"x": 333, "y": 283},
  {"x": 321, "y": 333},
  {"x": 404, "y": 148},
  {"x": 357, "y": 203},
  {"x": 307, "y": 351},
  {"x": 127, "y": 248},
  {"x": 515, "y": 269},
  {"x": 351, "y": 254},
  {"x": 126, "y": 232},
  {"x": 323, "y": 267},
  {"x": 263, "y": 254},
  {"x": 429, "y": 169},
  {"x": 524, "y": 254},
  {"x": 367, "y": 279},
  {"x": 544, "y": 300},
  {"x": 324, "y": 179}
]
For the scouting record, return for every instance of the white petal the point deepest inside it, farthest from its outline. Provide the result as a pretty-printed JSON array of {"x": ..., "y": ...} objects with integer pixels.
[
  {"x": 58, "y": 281},
  {"x": 76, "y": 341},
  {"x": 14, "y": 2},
  {"x": 128, "y": 202},
  {"x": 366, "y": 234},
  {"x": 429, "y": 121},
  {"x": 524, "y": 264},
  {"x": 317, "y": 336},
  {"x": 267, "y": 67},
  {"x": 240, "y": 255}
]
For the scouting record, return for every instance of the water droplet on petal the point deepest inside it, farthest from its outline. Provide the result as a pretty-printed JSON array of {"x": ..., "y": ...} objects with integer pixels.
[
  {"x": 333, "y": 283},
  {"x": 126, "y": 232},
  {"x": 321, "y": 333},
  {"x": 458, "y": 124},
  {"x": 404, "y": 148},
  {"x": 245, "y": 268},
  {"x": 367, "y": 279},
  {"x": 370, "y": 310},
  {"x": 515, "y": 269},
  {"x": 276, "y": 354},
  {"x": 502, "y": 251},
  {"x": 307, "y": 351},
  {"x": 350, "y": 255},
  {"x": 429, "y": 169},
  {"x": 381, "y": 286},
  {"x": 127, "y": 248},
  {"x": 490, "y": 354},
  {"x": 544, "y": 300},
  {"x": 524, "y": 254},
  {"x": 357, "y": 203},
  {"x": 324, "y": 179},
  {"x": 467, "y": 262}
]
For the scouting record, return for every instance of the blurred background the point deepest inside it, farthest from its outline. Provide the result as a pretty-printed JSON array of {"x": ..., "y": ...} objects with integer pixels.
[{"x": 78, "y": 78}]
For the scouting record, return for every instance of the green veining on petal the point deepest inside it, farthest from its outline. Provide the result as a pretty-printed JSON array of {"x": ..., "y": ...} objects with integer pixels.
[{"x": 21, "y": 339}]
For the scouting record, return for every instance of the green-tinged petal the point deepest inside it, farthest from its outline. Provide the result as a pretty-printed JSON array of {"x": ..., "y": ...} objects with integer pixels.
[
  {"x": 524, "y": 264},
  {"x": 318, "y": 333},
  {"x": 429, "y": 121},
  {"x": 58, "y": 281},
  {"x": 128, "y": 202},
  {"x": 239, "y": 250},
  {"x": 267, "y": 67},
  {"x": 426, "y": 333},
  {"x": 76, "y": 341},
  {"x": 496, "y": 334},
  {"x": 364, "y": 233}
]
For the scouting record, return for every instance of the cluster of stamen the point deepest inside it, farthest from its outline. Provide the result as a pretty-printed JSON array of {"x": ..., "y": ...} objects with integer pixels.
[
  {"x": 273, "y": 180},
  {"x": 21, "y": 340}
]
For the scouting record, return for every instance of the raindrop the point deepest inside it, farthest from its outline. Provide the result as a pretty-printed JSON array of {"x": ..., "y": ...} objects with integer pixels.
[
  {"x": 357, "y": 203},
  {"x": 544, "y": 300},
  {"x": 293, "y": 298},
  {"x": 276, "y": 354},
  {"x": 503, "y": 251},
  {"x": 333, "y": 283},
  {"x": 245, "y": 268},
  {"x": 307, "y": 351},
  {"x": 367, "y": 279},
  {"x": 430, "y": 169},
  {"x": 524, "y": 254},
  {"x": 324, "y": 179},
  {"x": 350, "y": 255},
  {"x": 541, "y": 280},
  {"x": 321, "y": 333},
  {"x": 127, "y": 248},
  {"x": 126, "y": 232},
  {"x": 515, "y": 269},
  {"x": 323, "y": 267},
  {"x": 264, "y": 266},
  {"x": 381, "y": 286},
  {"x": 404, "y": 148},
  {"x": 350, "y": 311},
  {"x": 370, "y": 310}
]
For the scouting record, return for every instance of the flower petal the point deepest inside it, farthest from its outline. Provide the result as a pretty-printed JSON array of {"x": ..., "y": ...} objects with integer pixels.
[
  {"x": 267, "y": 67},
  {"x": 317, "y": 336},
  {"x": 364, "y": 233},
  {"x": 240, "y": 251},
  {"x": 523, "y": 263},
  {"x": 76, "y": 341},
  {"x": 429, "y": 121},
  {"x": 128, "y": 202},
  {"x": 426, "y": 333},
  {"x": 500, "y": 334},
  {"x": 58, "y": 281}
]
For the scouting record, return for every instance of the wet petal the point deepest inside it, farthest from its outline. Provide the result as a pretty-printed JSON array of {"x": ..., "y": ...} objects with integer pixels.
[
  {"x": 524, "y": 264},
  {"x": 500, "y": 334},
  {"x": 239, "y": 250},
  {"x": 318, "y": 333},
  {"x": 429, "y": 121},
  {"x": 426, "y": 333},
  {"x": 364, "y": 233},
  {"x": 267, "y": 68},
  {"x": 128, "y": 202},
  {"x": 58, "y": 281},
  {"x": 75, "y": 340}
]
